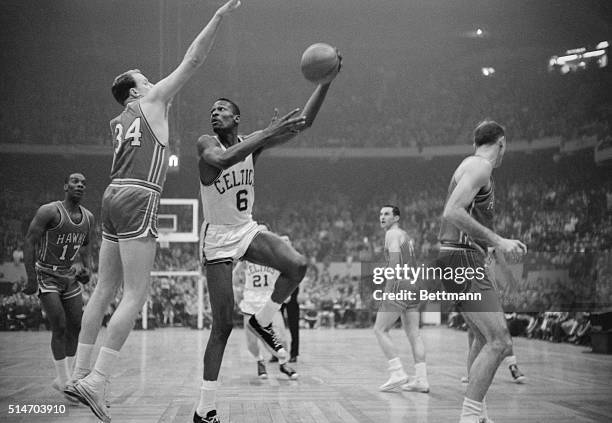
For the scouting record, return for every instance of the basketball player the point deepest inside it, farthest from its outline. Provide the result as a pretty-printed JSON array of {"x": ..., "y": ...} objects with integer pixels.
[
  {"x": 258, "y": 285},
  {"x": 399, "y": 251},
  {"x": 226, "y": 164},
  {"x": 129, "y": 213},
  {"x": 498, "y": 262},
  {"x": 465, "y": 235},
  {"x": 60, "y": 229}
]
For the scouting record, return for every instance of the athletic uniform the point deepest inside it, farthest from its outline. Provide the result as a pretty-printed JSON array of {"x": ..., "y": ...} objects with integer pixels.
[
  {"x": 54, "y": 270},
  {"x": 227, "y": 204},
  {"x": 138, "y": 173},
  {"x": 406, "y": 258},
  {"x": 258, "y": 286},
  {"x": 458, "y": 250}
]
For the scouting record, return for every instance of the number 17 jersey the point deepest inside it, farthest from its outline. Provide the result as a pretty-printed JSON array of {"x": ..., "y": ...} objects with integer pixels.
[
  {"x": 228, "y": 200},
  {"x": 138, "y": 153}
]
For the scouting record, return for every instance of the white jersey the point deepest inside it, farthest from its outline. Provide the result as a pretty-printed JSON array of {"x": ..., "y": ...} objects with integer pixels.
[
  {"x": 228, "y": 200},
  {"x": 258, "y": 285}
]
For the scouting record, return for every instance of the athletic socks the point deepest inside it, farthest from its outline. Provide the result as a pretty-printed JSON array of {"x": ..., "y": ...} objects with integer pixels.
[
  {"x": 208, "y": 394},
  {"x": 471, "y": 410},
  {"x": 83, "y": 358},
  {"x": 61, "y": 370},
  {"x": 266, "y": 314},
  {"x": 104, "y": 365},
  {"x": 70, "y": 364},
  {"x": 421, "y": 371}
]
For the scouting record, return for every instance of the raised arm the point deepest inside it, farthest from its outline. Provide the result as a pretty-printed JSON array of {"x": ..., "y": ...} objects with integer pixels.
[
  {"x": 210, "y": 151},
  {"x": 44, "y": 216},
  {"x": 196, "y": 54}
]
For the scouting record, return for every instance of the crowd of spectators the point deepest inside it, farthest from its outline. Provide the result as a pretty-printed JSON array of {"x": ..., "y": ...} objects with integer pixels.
[
  {"x": 388, "y": 109},
  {"x": 566, "y": 223}
]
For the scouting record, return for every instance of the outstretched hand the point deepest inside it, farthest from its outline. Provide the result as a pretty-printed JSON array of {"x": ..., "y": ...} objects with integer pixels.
[
  {"x": 228, "y": 7},
  {"x": 286, "y": 124}
]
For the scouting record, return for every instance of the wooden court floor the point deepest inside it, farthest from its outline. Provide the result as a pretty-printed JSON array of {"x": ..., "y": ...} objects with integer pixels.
[{"x": 158, "y": 377}]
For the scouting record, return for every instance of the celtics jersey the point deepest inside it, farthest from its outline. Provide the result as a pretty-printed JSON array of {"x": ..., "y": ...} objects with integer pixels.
[
  {"x": 61, "y": 244},
  {"x": 138, "y": 153},
  {"x": 228, "y": 200}
]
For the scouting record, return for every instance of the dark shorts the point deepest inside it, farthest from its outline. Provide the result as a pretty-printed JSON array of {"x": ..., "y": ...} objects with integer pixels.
[
  {"x": 57, "y": 279},
  {"x": 475, "y": 281},
  {"x": 129, "y": 211}
]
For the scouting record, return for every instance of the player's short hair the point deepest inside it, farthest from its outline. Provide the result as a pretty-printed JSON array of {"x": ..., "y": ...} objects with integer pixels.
[
  {"x": 122, "y": 85},
  {"x": 67, "y": 178},
  {"x": 394, "y": 209},
  {"x": 235, "y": 108},
  {"x": 488, "y": 132}
]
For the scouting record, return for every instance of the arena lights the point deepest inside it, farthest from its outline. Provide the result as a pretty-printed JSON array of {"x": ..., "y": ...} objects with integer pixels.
[
  {"x": 580, "y": 58},
  {"x": 487, "y": 71}
]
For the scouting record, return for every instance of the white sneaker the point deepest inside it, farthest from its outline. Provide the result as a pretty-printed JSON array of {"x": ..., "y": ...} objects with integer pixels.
[
  {"x": 58, "y": 386},
  {"x": 416, "y": 385},
  {"x": 95, "y": 397},
  {"x": 396, "y": 380}
]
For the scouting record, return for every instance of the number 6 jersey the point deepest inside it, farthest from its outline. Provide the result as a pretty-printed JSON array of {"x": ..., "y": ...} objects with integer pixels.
[
  {"x": 138, "y": 154},
  {"x": 228, "y": 200}
]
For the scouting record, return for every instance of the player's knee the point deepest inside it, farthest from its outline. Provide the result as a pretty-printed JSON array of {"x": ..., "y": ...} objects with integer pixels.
[
  {"x": 379, "y": 330},
  {"x": 59, "y": 330},
  {"x": 222, "y": 328},
  {"x": 502, "y": 346}
]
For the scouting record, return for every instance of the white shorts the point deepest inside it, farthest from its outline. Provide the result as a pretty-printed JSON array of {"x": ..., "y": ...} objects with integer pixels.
[
  {"x": 224, "y": 243},
  {"x": 254, "y": 301}
]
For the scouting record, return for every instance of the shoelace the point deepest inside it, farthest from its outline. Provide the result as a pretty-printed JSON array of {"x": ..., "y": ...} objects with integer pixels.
[{"x": 274, "y": 335}]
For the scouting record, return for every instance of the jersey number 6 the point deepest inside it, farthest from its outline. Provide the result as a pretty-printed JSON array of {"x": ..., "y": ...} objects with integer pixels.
[{"x": 242, "y": 201}]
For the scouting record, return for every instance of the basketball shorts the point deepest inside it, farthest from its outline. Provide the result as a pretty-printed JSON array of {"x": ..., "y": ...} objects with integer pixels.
[
  {"x": 57, "y": 279},
  {"x": 479, "y": 280},
  {"x": 400, "y": 287},
  {"x": 224, "y": 243},
  {"x": 129, "y": 210},
  {"x": 254, "y": 301}
]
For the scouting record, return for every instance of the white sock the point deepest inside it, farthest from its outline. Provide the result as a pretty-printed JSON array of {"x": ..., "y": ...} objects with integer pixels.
[
  {"x": 70, "y": 364},
  {"x": 395, "y": 364},
  {"x": 83, "y": 357},
  {"x": 421, "y": 371},
  {"x": 266, "y": 314},
  {"x": 510, "y": 360},
  {"x": 208, "y": 394},
  {"x": 470, "y": 409},
  {"x": 105, "y": 362},
  {"x": 60, "y": 370},
  {"x": 484, "y": 408}
]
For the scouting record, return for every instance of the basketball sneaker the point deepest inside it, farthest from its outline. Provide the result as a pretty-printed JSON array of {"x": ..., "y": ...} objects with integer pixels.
[
  {"x": 465, "y": 379},
  {"x": 261, "y": 370},
  {"x": 517, "y": 375},
  {"x": 416, "y": 385},
  {"x": 57, "y": 385},
  {"x": 292, "y": 374},
  {"x": 69, "y": 390},
  {"x": 94, "y": 397},
  {"x": 269, "y": 338},
  {"x": 211, "y": 417},
  {"x": 396, "y": 380}
]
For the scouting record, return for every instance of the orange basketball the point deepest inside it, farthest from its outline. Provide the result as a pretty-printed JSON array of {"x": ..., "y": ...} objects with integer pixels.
[{"x": 320, "y": 63}]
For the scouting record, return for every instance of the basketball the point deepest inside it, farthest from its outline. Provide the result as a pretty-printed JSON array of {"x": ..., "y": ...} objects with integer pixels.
[{"x": 320, "y": 63}]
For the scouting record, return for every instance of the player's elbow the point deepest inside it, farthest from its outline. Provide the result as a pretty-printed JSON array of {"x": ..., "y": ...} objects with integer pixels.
[{"x": 194, "y": 61}]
